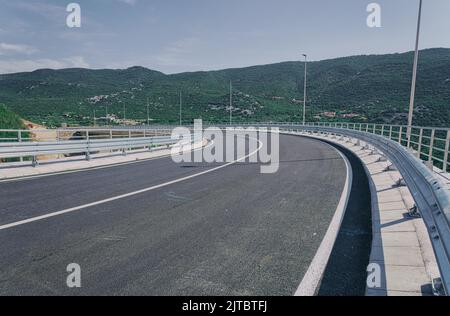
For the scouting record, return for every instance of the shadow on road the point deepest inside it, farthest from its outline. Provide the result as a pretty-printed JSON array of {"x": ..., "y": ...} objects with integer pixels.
[{"x": 346, "y": 274}]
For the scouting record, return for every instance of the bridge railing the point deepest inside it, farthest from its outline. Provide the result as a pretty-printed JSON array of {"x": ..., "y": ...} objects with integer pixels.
[
  {"x": 86, "y": 143},
  {"x": 430, "y": 144},
  {"x": 55, "y": 135}
]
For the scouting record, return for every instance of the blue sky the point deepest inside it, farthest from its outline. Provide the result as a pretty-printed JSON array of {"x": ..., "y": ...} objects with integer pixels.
[{"x": 188, "y": 35}]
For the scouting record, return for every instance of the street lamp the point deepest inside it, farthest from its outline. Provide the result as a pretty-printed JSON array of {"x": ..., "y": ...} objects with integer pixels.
[
  {"x": 414, "y": 76},
  {"x": 231, "y": 102},
  {"x": 304, "y": 91},
  {"x": 181, "y": 108},
  {"x": 148, "y": 113}
]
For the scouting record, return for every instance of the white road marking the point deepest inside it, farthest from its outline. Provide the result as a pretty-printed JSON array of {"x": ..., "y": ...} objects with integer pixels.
[
  {"x": 314, "y": 274},
  {"x": 115, "y": 198}
]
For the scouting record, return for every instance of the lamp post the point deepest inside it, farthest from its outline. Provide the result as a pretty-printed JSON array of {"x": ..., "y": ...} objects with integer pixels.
[
  {"x": 304, "y": 91},
  {"x": 181, "y": 108},
  {"x": 148, "y": 113},
  {"x": 414, "y": 76},
  {"x": 231, "y": 103}
]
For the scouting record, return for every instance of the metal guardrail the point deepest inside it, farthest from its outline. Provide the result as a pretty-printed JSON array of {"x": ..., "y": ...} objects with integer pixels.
[
  {"x": 43, "y": 135},
  {"x": 430, "y": 194},
  {"x": 431, "y": 144},
  {"x": 14, "y": 150},
  {"x": 85, "y": 146}
]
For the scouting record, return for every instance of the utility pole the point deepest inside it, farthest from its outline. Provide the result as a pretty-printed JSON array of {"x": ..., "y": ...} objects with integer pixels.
[
  {"x": 231, "y": 102},
  {"x": 181, "y": 108},
  {"x": 106, "y": 115},
  {"x": 414, "y": 76},
  {"x": 304, "y": 92},
  {"x": 148, "y": 113}
]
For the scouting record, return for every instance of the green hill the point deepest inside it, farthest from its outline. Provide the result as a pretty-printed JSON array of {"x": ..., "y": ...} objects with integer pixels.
[
  {"x": 9, "y": 120},
  {"x": 371, "y": 88}
]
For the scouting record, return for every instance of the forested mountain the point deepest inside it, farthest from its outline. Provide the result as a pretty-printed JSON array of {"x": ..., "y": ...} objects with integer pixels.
[{"x": 372, "y": 88}]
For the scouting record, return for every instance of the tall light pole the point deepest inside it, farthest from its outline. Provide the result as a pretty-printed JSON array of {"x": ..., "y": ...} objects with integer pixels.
[
  {"x": 231, "y": 102},
  {"x": 414, "y": 76},
  {"x": 148, "y": 113},
  {"x": 106, "y": 114},
  {"x": 304, "y": 91},
  {"x": 181, "y": 108}
]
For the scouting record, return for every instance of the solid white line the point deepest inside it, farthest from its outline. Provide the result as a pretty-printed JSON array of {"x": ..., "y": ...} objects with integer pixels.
[
  {"x": 314, "y": 274},
  {"x": 77, "y": 208}
]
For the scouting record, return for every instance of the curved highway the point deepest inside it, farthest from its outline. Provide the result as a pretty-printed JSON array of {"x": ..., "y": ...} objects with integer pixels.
[{"x": 233, "y": 231}]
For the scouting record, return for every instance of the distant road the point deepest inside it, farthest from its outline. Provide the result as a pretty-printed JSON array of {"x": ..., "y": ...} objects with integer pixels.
[{"x": 233, "y": 231}]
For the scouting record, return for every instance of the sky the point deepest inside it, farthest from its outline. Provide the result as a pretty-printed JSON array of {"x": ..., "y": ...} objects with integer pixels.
[{"x": 175, "y": 36}]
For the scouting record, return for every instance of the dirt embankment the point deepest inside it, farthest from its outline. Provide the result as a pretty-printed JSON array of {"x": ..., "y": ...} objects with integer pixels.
[{"x": 40, "y": 133}]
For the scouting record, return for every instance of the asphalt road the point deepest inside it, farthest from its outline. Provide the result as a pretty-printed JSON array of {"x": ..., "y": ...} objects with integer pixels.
[{"x": 233, "y": 231}]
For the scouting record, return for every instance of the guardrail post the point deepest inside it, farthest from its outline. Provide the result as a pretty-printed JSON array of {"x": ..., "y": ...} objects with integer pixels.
[
  {"x": 408, "y": 137},
  {"x": 419, "y": 149},
  {"x": 447, "y": 145},
  {"x": 88, "y": 154},
  {"x": 390, "y": 132},
  {"x": 430, "y": 154},
  {"x": 129, "y": 138},
  {"x": 382, "y": 130},
  {"x": 19, "y": 138},
  {"x": 34, "y": 162},
  {"x": 400, "y": 135},
  {"x": 111, "y": 137}
]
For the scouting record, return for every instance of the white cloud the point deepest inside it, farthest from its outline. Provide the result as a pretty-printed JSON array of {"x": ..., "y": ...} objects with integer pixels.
[
  {"x": 24, "y": 65},
  {"x": 174, "y": 54},
  {"x": 7, "y": 49},
  {"x": 48, "y": 11},
  {"x": 130, "y": 2}
]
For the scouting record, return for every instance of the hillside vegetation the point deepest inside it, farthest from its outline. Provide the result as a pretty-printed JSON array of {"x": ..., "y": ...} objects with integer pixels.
[
  {"x": 360, "y": 88},
  {"x": 9, "y": 120}
]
